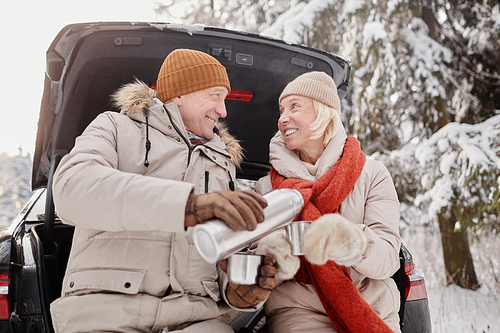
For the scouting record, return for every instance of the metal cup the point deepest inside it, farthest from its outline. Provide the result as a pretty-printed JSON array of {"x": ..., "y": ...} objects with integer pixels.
[
  {"x": 243, "y": 268},
  {"x": 295, "y": 232}
]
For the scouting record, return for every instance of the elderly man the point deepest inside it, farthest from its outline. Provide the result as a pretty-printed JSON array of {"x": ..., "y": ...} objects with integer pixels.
[{"x": 134, "y": 185}]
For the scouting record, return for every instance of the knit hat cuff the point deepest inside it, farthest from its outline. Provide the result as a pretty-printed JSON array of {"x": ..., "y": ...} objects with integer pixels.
[{"x": 313, "y": 88}]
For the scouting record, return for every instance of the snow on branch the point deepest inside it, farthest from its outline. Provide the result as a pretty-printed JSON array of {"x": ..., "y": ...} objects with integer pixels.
[
  {"x": 428, "y": 57},
  {"x": 462, "y": 165},
  {"x": 290, "y": 25}
]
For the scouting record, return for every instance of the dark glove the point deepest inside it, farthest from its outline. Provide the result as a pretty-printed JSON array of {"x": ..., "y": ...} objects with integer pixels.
[
  {"x": 240, "y": 210},
  {"x": 244, "y": 296}
]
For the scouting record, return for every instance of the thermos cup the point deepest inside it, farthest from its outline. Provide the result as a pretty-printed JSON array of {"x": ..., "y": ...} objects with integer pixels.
[
  {"x": 215, "y": 241},
  {"x": 244, "y": 268},
  {"x": 296, "y": 231}
]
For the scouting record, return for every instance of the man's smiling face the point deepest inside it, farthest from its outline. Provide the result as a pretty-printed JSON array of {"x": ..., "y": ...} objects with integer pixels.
[{"x": 201, "y": 109}]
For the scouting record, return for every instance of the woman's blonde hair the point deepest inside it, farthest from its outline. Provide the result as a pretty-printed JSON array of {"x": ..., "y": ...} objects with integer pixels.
[{"x": 327, "y": 122}]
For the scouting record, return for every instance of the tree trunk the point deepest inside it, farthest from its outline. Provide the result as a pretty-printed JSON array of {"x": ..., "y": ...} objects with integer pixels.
[{"x": 457, "y": 257}]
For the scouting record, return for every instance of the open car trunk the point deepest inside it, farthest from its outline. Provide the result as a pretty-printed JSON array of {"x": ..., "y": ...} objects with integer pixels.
[{"x": 86, "y": 63}]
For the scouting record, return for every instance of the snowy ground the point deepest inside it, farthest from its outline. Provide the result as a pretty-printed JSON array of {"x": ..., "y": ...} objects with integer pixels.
[{"x": 454, "y": 309}]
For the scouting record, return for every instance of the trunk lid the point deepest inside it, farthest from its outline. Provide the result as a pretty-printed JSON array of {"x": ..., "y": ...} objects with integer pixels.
[{"x": 87, "y": 62}]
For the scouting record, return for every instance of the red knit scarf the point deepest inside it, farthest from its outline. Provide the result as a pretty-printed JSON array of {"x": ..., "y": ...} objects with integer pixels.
[{"x": 343, "y": 303}]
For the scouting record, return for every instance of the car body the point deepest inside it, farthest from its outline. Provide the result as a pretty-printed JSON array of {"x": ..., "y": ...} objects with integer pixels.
[{"x": 86, "y": 63}]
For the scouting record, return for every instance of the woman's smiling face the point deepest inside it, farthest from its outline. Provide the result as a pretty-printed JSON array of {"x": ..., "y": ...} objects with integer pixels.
[{"x": 296, "y": 117}]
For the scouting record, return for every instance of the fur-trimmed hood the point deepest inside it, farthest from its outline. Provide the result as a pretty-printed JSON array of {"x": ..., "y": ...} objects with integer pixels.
[{"x": 134, "y": 97}]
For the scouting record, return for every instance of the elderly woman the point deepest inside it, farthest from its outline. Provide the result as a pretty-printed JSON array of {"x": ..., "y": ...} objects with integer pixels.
[{"x": 343, "y": 282}]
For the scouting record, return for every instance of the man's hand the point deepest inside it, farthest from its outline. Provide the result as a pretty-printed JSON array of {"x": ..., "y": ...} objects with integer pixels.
[
  {"x": 244, "y": 296},
  {"x": 240, "y": 210}
]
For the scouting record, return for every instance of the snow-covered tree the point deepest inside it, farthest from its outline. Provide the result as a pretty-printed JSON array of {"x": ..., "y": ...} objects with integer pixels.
[
  {"x": 15, "y": 187},
  {"x": 462, "y": 188},
  {"x": 471, "y": 30},
  {"x": 467, "y": 36},
  {"x": 411, "y": 77},
  {"x": 417, "y": 66},
  {"x": 244, "y": 15},
  {"x": 462, "y": 164}
]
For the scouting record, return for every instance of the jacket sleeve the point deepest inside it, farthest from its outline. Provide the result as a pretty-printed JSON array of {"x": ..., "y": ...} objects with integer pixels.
[
  {"x": 263, "y": 185},
  {"x": 91, "y": 192},
  {"x": 380, "y": 225}
]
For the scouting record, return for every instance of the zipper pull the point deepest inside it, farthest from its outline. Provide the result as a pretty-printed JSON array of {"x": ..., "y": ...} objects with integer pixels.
[{"x": 231, "y": 183}]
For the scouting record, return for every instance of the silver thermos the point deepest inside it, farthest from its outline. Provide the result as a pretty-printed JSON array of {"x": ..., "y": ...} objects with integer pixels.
[{"x": 215, "y": 241}]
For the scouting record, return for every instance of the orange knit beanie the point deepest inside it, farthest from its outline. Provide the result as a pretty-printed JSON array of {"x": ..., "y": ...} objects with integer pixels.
[{"x": 185, "y": 71}]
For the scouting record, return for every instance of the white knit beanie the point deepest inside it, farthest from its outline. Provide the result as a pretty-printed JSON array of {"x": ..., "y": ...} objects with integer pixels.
[{"x": 316, "y": 85}]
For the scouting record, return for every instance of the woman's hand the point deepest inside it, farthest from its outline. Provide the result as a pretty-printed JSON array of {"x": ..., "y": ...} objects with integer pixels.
[
  {"x": 277, "y": 244},
  {"x": 333, "y": 237}
]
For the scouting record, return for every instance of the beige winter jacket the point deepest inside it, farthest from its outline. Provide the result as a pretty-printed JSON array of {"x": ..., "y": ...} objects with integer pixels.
[
  {"x": 133, "y": 267},
  {"x": 374, "y": 206}
]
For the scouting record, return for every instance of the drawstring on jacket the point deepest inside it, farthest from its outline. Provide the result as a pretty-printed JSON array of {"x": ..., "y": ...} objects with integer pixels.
[
  {"x": 148, "y": 143},
  {"x": 231, "y": 183}
]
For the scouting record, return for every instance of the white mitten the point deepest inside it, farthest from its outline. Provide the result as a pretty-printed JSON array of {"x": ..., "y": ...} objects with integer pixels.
[
  {"x": 278, "y": 245},
  {"x": 333, "y": 237}
]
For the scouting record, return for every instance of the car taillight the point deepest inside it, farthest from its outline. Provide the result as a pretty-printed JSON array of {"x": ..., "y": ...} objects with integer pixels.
[
  {"x": 414, "y": 283},
  {"x": 240, "y": 95},
  {"x": 4, "y": 295}
]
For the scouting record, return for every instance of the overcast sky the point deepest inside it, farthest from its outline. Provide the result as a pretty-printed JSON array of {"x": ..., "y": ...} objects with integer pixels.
[{"x": 27, "y": 28}]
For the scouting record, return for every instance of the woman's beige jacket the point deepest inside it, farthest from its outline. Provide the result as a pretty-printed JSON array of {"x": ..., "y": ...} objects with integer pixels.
[
  {"x": 133, "y": 267},
  {"x": 374, "y": 206}
]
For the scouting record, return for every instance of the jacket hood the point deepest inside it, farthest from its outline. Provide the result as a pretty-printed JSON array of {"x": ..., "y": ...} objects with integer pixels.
[{"x": 134, "y": 97}]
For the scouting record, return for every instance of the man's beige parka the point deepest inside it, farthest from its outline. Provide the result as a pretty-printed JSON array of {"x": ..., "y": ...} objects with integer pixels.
[{"x": 133, "y": 267}]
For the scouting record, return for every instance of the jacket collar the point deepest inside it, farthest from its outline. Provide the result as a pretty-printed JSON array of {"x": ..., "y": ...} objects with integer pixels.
[
  {"x": 134, "y": 97},
  {"x": 167, "y": 119},
  {"x": 287, "y": 162}
]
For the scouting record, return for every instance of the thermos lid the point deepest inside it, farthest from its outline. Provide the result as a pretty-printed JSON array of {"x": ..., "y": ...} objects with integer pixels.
[{"x": 204, "y": 237}]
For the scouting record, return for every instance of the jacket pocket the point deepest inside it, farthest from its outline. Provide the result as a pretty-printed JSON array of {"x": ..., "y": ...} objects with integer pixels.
[{"x": 98, "y": 280}]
